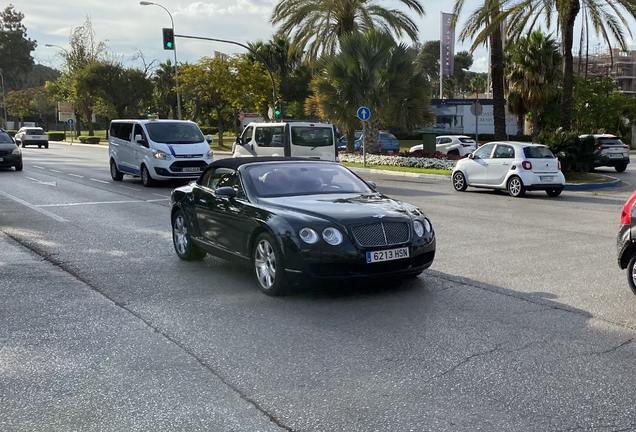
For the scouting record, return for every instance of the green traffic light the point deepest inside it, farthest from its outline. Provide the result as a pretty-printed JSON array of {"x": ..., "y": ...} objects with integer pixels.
[
  {"x": 169, "y": 44},
  {"x": 277, "y": 112}
]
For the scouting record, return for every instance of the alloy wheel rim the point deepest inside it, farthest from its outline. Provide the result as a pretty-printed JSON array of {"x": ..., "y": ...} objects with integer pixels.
[
  {"x": 265, "y": 264},
  {"x": 180, "y": 235},
  {"x": 515, "y": 187},
  {"x": 634, "y": 275},
  {"x": 459, "y": 181}
]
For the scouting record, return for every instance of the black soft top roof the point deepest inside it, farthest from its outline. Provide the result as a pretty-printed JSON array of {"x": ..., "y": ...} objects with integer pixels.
[{"x": 235, "y": 163}]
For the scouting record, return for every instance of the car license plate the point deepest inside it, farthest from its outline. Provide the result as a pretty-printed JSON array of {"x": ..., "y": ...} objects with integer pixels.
[
  {"x": 190, "y": 169},
  {"x": 387, "y": 255},
  {"x": 616, "y": 155},
  {"x": 547, "y": 178}
]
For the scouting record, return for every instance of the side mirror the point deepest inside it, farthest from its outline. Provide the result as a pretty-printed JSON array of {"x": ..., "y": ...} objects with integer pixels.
[
  {"x": 239, "y": 141},
  {"x": 139, "y": 140},
  {"x": 210, "y": 139},
  {"x": 372, "y": 185},
  {"x": 225, "y": 191},
  {"x": 471, "y": 156}
]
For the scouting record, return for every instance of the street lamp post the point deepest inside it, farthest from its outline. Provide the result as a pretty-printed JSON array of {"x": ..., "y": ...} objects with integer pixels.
[
  {"x": 4, "y": 102},
  {"x": 176, "y": 73}
]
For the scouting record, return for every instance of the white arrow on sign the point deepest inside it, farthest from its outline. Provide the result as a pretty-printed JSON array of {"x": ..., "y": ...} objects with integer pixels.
[{"x": 51, "y": 183}]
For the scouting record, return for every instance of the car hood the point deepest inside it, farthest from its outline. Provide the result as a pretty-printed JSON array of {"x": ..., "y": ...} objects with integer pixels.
[{"x": 346, "y": 209}]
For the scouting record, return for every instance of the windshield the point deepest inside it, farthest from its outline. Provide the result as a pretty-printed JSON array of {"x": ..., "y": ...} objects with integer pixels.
[
  {"x": 175, "y": 132},
  {"x": 538, "y": 153},
  {"x": 303, "y": 178},
  {"x": 311, "y": 136},
  {"x": 5, "y": 138}
]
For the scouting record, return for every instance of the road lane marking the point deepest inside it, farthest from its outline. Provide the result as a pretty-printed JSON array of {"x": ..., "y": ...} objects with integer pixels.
[
  {"x": 51, "y": 183},
  {"x": 90, "y": 203},
  {"x": 55, "y": 171},
  {"x": 128, "y": 187},
  {"x": 76, "y": 175},
  {"x": 157, "y": 200},
  {"x": 162, "y": 196},
  {"x": 38, "y": 167},
  {"x": 34, "y": 207},
  {"x": 100, "y": 181}
]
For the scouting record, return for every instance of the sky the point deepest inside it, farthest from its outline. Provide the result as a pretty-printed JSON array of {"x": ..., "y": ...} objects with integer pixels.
[{"x": 127, "y": 27}]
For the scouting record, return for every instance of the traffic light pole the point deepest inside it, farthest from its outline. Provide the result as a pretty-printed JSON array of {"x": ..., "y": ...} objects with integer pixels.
[{"x": 271, "y": 75}]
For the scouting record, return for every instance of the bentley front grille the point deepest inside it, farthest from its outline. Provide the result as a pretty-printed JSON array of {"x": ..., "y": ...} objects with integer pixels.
[{"x": 381, "y": 234}]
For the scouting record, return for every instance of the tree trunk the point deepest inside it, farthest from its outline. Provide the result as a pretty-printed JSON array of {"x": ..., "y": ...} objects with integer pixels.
[
  {"x": 89, "y": 121},
  {"x": 535, "y": 123},
  {"x": 77, "y": 124},
  {"x": 497, "y": 73},
  {"x": 219, "y": 120},
  {"x": 370, "y": 138},
  {"x": 521, "y": 122},
  {"x": 568, "y": 65},
  {"x": 351, "y": 138}
]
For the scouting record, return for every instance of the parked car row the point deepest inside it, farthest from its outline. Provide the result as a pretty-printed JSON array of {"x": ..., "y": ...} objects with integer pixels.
[
  {"x": 457, "y": 145},
  {"x": 387, "y": 142}
]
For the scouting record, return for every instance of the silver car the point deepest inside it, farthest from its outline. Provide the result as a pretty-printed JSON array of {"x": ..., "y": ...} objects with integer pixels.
[{"x": 458, "y": 145}]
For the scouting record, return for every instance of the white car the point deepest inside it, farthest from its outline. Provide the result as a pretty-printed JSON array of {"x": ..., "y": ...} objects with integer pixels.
[
  {"x": 513, "y": 166},
  {"x": 458, "y": 145},
  {"x": 32, "y": 136}
]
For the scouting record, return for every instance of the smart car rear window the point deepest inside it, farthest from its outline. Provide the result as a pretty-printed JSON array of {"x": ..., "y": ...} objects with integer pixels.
[{"x": 538, "y": 153}]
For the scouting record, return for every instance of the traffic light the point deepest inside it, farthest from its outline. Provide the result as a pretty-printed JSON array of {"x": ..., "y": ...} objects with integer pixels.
[
  {"x": 277, "y": 110},
  {"x": 168, "y": 39}
]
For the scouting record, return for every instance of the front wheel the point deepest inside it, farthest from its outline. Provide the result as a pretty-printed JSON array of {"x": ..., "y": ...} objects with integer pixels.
[
  {"x": 621, "y": 167},
  {"x": 459, "y": 181},
  {"x": 631, "y": 273},
  {"x": 269, "y": 268},
  {"x": 183, "y": 244},
  {"x": 18, "y": 167},
  {"x": 146, "y": 178},
  {"x": 515, "y": 187},
  {"x": 114, "y": 172},
  {"x": 554, "y": 192}
]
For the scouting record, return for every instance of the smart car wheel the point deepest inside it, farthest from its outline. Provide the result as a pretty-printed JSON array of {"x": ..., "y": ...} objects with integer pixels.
[
  {"x": 269, "y": 268},
  {"x": 183, "y": 245},
  {"x": 39, "y": 145},
  {"x": 515, "y": 187},
  {"x": 621, "y": 167},
  {"x": 146, "y": 178},
  {"x": 631, "y": 273},
  {"x": 459, "y": 181},
  {"x": 554, "y": 192},
  {"x": 114, "y": 172}
]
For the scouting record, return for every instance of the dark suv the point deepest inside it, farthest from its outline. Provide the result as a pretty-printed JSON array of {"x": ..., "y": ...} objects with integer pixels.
[
  {"x": 610, "y": 152},
  {"x": 10, "y": 153}
]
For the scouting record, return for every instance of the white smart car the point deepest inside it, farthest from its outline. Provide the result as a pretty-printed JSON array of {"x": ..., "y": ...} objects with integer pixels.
[
  {"x": 458, "y": 145},
  {"x": 513, "y": 166}
]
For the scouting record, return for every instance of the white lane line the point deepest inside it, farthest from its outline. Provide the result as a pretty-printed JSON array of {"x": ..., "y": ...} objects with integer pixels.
[
  {"x": 76, "y": 175},
  {"x": 162, "y": 196},
  {"x": 90, "y": 203},
  {"x": 34, "y": 207},
  {"x": 33, "y": 179},
  {"x": 128, "y": 187},
  {"x": 157, "y": 200},
  {"x": 100, "y": 181},
  {"x": 55, "y": 171},
  {"x": 38, "y": 167}
]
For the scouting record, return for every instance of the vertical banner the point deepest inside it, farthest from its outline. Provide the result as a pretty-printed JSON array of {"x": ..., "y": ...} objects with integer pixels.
[{"x": 447, "y": 46}]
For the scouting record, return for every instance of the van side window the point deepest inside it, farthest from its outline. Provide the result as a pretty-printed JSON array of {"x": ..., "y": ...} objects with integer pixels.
[
  {"x": 114, "y": 130},
  {"x": 124, "y": 131},
  {"x": 263, "y": 137},
  {"x": 139, "y": 131},
  {"x": 247, "y": 134}
]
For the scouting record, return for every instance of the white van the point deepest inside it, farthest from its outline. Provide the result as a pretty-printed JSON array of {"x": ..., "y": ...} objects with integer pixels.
[
  {"x": 157, "y": 150},
  {"x": 296, "y": 139}
]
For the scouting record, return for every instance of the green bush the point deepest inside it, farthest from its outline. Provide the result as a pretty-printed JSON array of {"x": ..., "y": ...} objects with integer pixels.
[
  {"x": 12, "y": 132},
  {"x": 89, "y": 139},
  {"x": 575, "y": 154},
  {"x": 56, "y": 136},
  {"x": 209, "y": 130}
]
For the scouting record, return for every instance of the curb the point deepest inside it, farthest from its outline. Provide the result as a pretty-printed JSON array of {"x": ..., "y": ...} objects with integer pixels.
[{"x": 591, "y": 186}]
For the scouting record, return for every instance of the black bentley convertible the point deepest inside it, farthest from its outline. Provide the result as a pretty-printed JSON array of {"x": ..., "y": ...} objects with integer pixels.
[{"x": 292, "y": 218}]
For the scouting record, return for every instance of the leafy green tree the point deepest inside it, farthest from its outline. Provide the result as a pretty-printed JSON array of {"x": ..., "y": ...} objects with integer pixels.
[
  {"x": 19, "y": 104},
  {"x": 476, "y": 82},
  {"x": 371, "y": 70},
  {"x": 316, "y": 26},
  {"x": 15, "y": 49},
  {"x": 165, "y": 90},
  {"x": 43, "y": 104},
  {"x": 484, "y": 27},
  {"x": 427, "y": 63},
  {"x": 533, "y": 72}
]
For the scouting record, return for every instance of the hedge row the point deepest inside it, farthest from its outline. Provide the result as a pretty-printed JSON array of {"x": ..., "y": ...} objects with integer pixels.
[
  {"x": 56, "y": 136},
  {"x": 209, "y": 130}
]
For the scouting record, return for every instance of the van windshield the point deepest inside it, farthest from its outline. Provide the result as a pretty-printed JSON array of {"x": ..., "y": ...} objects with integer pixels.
[
  {"x": 311, "y": 136},
  {"x": 175, "y": 132}
]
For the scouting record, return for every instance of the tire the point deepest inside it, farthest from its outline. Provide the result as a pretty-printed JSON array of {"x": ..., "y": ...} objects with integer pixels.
[
  {"x": 515, "y": 187},
  {"x": 554, "y": 192},
  {"x": 181, "y": 240},
  {"x": 146, "y": 178},
  {"x": 268, "y": 262},
  {"x": 459, "y": 181},
  {"x": 620, "y": 168},
  {"x": 454, "y": 153},
  {"x": 23, "y": 145},
  {"x": 631, "y": 273},
  {"x": 19, "y": 167},
  {"x": 114, "y": 172},
  {"x": 46, "y": 145},
  {"x": 39, "y": 145}
]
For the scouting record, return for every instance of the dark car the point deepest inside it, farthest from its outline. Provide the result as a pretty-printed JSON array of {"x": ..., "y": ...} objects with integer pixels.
[
  {"x": 626, "y": 242},
  {"x": 291, "y": 218},
  {"x": 10, "y": 153},
  {"x": 611, "y": 151}
]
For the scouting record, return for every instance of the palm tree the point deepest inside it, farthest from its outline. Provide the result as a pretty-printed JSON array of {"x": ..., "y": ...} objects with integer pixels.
[
  {"x": 534, "y": 72},
  {"x": 605, "y": 19},
  {"x": 316, "y": 26},
  {"x": 371, "y": 70},
  {"x": 483, "y": 27},
  {"x": 163, "y": 79}
]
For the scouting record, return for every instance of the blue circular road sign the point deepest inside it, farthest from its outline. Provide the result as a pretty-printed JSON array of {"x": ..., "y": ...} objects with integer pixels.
[
  {"x": 364, "y": 113},
  {"x": 70, "y": 121}
]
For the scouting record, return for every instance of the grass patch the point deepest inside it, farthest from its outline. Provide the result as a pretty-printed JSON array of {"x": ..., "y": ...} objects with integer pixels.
[
  {"x": 400, "y": 169},
  {"x": 585, "y": 178}
]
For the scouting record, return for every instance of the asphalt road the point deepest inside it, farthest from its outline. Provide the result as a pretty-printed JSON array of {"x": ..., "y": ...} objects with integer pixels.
[{"x": 524, "y": 322}]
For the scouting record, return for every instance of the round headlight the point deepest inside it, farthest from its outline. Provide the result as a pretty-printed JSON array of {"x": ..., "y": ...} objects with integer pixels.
[
  {"x": 308, "y": 235},
  {"x": 418, "y": 227},
  {"x": 427, "y": 226},
  {"x": 332, "y": 236}
]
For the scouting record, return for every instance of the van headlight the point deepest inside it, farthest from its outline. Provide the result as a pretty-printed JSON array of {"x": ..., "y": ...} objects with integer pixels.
[
  {"x": 158, "y": 154},
  {"x": 16, "y": 151},
  {"x": 332, "y": 236},
  {"x": 210, "y": 155}
]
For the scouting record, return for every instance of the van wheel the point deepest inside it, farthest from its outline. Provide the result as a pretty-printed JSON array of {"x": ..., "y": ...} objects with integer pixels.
[
  {"x": 146, "y": 178},
  {"x": 114, "y": 172}
]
